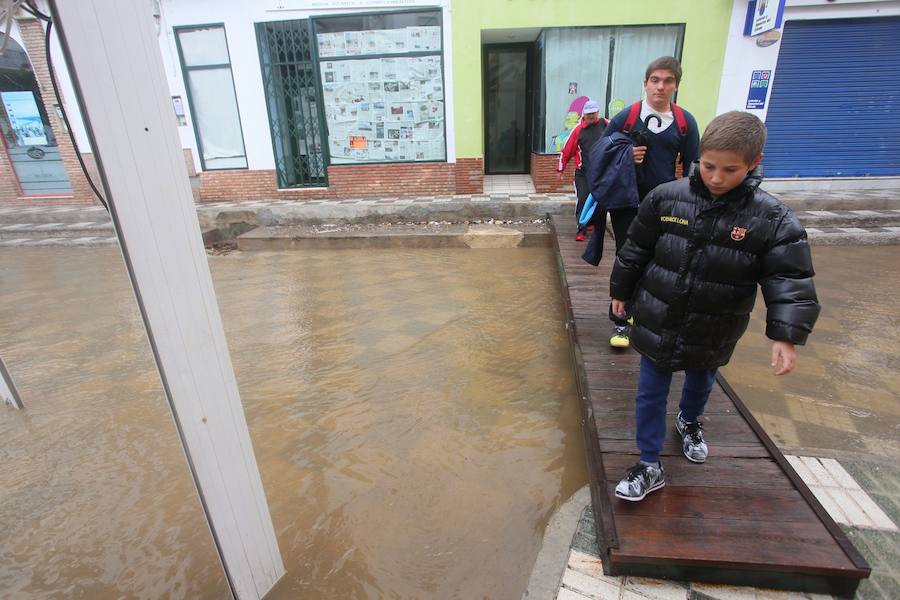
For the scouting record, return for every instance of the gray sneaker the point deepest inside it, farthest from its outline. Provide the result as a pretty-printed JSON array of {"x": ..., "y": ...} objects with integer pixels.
[
  {"x": 692, "y": 443},
  {"x": 640, "y": 480}
]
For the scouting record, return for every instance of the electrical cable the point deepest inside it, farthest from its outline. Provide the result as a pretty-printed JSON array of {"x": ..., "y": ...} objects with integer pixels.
[{"x": 29, "y": 7}]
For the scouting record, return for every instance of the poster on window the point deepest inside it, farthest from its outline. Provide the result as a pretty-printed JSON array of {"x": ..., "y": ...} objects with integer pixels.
[
  {"x": 379, "y": 41},
  {"x": 25, "y": 118},
  {"x": 384, "y": 109}
]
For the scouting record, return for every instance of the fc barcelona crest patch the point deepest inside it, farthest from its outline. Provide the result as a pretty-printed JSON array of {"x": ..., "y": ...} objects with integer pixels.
[{"x": 738, "y": 233}]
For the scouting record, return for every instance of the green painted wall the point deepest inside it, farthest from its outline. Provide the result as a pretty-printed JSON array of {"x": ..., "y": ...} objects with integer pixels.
[{"x": 705, "y": 36}]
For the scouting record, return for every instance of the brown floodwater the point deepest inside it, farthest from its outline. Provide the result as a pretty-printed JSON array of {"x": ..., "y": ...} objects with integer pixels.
[
  {"x": 845, "y": 392},
  {"x": 413, "y": 414}
]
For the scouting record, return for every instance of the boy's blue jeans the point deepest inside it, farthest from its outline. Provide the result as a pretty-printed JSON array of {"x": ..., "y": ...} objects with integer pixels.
[{"x": 650, "y": 412}]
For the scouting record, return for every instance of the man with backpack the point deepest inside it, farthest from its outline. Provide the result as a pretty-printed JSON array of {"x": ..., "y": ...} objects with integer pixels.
[{"x": 665, "y": 135}]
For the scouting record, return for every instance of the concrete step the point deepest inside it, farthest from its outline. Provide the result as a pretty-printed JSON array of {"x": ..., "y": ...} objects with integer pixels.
[
  {"x": 854, "y": 236},
  {"x": 20, "y": 242},
  {"x": 65, "y": 214},
  {"x": 440, "y": 235},
  {"x": 56, "y": 230},
  {"x": 865, "y": 218}
]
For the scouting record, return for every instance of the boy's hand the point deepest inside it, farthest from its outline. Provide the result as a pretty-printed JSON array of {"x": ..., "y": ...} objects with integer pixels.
[
  {"x": 639, "y": 152},
  {"x": 788, "y": 356},
  {"x": 618, "y": 308},
  {"x": 559, "y": 175}
]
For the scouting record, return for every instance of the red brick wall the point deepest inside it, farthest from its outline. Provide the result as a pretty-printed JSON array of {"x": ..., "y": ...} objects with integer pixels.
[
  {"x": 33, "y": 40},
  {"x": 545, "y": 178},
  {"x": 469, "y": 175},
  {"x": 351, "y": 181}
]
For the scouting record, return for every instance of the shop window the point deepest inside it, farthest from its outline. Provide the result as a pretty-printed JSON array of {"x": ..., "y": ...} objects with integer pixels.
[
  {"x": 206, "y": 65},
  {"x": 382, "y": 83},
  {"x": 25, "y": 128},
  {"x": 605, "y": 64}
]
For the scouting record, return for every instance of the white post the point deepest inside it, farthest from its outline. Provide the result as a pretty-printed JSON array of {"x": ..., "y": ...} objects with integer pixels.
[
  {"x": 114, "y": 60},
  {"x": 8, "y": 393}
]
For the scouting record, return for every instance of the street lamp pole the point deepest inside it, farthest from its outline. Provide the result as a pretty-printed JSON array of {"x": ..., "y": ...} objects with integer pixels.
[{"x": 113, "y": 56}]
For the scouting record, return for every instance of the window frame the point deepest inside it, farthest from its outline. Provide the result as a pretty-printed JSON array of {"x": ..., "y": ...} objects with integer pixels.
[
  {"x": 679, "y": 48},
  {"x": 177, "y": 30},
  {"x": 422, "y": 9}
]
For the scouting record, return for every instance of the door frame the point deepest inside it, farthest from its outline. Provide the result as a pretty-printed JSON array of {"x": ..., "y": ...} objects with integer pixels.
[{"x": 529, "y": 108}]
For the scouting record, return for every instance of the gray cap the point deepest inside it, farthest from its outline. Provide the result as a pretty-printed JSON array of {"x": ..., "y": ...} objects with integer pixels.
[{"x": 590, "y": 107}]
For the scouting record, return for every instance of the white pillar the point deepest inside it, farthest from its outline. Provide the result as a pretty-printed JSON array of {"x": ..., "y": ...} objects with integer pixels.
[
  {"x": 114, "y": 60},
  {"x": 8, "y": 393}
]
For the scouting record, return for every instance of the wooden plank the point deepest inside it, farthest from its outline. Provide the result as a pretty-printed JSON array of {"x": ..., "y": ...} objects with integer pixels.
[
  {"x": 738, "y": 518},
  {"x": 804, "y": 546},
  {"x": 772, "y": 505},
  {"x": 732, "y": 428},
  {"x": 730, "y": 473}
]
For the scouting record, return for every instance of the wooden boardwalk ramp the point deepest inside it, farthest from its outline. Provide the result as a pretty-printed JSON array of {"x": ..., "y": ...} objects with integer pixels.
[{"x": 744, "y": 517}]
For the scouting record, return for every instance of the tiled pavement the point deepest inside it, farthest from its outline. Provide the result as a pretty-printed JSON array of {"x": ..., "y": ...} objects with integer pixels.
[
  {"x": 872, "y": 529},
  {"x": 873, "y": 215},
  {"x": 508, "y": 184}
]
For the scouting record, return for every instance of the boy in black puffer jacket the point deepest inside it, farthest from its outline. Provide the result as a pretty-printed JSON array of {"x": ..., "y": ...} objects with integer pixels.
[{"x": 688, "y": 272}]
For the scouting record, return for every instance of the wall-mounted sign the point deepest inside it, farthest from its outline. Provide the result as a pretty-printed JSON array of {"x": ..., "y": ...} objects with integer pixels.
[
  {"x": 763, "y": 16},
  {"x": 768, "y": 38},
  {"x": 25, "y": 118},
  {"x": 759, "y": 89}
]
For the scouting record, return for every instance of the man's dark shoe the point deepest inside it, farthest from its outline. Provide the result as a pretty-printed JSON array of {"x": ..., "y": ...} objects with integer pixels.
[{"x": 640, "y": 480}]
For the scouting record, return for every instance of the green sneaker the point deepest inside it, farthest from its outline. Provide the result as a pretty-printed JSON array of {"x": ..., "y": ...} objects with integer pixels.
[{"x": 620, "y": 337}]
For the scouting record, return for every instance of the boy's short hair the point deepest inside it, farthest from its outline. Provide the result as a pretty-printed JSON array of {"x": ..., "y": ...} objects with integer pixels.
[
  {"x": 735, "y": 131},
  {"x": 665, "y": 63}
]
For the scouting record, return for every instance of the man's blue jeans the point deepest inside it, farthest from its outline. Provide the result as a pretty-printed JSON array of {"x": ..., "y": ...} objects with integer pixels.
[{"x": 650, "y": 412}]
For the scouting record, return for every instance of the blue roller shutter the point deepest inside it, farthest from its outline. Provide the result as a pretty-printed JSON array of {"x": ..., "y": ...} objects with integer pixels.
[{"x": 834, "y": 109}]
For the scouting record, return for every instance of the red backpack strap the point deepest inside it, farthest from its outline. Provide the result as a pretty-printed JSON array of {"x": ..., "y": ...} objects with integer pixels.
[
  {"x": 678, "y": 113},
  {"x": 633, "y": 115}
]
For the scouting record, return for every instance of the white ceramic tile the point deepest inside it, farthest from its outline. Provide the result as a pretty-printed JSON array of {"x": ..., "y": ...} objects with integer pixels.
[
  {"x": 879, "y": 519},
  {"x": 724, "y": 592},
  {"x": 567, "y": 594},
  {"x": 840, "y": 475},
  {"x": 802, "y": 470},
  {"x": 849, "y": 507},
  {"x": 821, "y": 474},
  {"x": 655, "y": 589},
  {"x": 829, "y": 504},
  {"x": 590, "y": 586}
]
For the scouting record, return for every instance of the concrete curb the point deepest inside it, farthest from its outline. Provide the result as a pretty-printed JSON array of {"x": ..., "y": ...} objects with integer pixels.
[{"x": 548, "y": 570}]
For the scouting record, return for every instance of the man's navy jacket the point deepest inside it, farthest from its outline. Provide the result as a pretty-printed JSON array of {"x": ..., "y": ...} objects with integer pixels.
[{"x": 611, "y": 175}]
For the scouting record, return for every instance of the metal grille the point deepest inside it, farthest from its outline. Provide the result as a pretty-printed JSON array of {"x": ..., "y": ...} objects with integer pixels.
[{"x": 289, "y": 78}]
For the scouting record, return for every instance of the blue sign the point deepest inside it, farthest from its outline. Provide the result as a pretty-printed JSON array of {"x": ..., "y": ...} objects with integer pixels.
[
  {"x": 763, "y": 16},
  {"x": 759, "y": 89}
]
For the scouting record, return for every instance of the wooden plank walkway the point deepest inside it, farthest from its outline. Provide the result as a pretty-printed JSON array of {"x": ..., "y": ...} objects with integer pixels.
[{"x": 744, "y": 517}]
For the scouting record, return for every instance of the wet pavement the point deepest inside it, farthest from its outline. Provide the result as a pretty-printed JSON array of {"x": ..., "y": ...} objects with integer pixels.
[
  {"x": 844, "y": 397},
  {"x": 412, "y": 415},
  {"x": 464, "y": 356}
]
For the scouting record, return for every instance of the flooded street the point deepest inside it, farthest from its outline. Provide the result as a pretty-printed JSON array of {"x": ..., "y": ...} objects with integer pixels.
[
  {"x": 413, "y": 414},
  {"x": 845, "y": 392}
]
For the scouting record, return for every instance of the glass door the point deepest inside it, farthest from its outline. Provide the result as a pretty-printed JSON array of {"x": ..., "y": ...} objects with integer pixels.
[{"x": 507, "y": 144}]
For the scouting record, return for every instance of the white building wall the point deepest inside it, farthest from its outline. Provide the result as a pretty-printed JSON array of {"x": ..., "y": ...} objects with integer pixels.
[
  {"x": 743, "y": 56},
  {"x": 239, "y": 19}
]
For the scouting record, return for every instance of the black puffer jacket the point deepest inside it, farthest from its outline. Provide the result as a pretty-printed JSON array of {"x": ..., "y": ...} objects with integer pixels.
[{"x": 691, "y": 265}]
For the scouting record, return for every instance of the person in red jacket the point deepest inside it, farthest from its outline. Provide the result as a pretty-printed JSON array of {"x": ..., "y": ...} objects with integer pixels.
[{"x": 578, "y": 146}]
